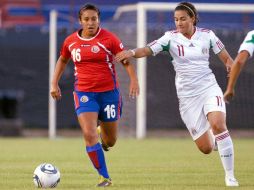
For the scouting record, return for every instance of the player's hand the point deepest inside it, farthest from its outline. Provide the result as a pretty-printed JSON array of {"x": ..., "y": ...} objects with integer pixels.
[
  {"x": 228, "y": 95},
  {"x": 55, "y": 92},
  {"x": 134, "y": 89},
  {"x": 123, "y": 55}
]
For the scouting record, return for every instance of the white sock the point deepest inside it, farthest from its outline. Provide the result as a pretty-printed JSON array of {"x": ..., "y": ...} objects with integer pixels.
[{"x": 226, "y": 152}]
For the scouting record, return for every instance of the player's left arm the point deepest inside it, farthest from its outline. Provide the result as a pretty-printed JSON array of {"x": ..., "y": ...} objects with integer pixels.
[
  {"x": 134, "y": 84},
  {"x": 226, "y": 59},
  {"x": 238, "y": 65},
  {"x": 117, "y": 48}
]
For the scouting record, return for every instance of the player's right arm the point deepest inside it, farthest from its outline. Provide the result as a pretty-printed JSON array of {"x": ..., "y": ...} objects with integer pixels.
[
  {"x": 55, "y": 91},
  {"x": 136, "y": 53},
  {"x": 239, "y": 63},
  {"x": 153, "y": 48}
]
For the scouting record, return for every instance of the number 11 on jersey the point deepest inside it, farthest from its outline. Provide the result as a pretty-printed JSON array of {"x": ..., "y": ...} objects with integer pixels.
[{"x": 180, "y": 50}]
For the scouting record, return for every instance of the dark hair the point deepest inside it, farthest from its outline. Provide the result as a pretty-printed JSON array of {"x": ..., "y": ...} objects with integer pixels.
[
  {"x": 88, "y": 7},
  {"x": 190, "y": 9}
]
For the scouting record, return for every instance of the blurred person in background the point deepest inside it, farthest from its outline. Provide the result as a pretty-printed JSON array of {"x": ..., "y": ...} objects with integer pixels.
[
  {"x": 245, "y": 51},
  {"x": 96, "y": 89},
  {"x": 201, "y": 101}
]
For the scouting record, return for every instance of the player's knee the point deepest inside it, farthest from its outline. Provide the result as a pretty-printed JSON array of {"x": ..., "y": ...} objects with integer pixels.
[
  {"x": 91, "y": 138},
  {"x": 111, "y": 141},
  {"x": 206, "y": 149},
  {"x": 111, "y": 144},
  {"x": 219, "y": 127}
]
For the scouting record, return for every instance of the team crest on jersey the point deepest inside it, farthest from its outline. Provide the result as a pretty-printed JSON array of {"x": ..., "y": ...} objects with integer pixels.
[
  {"x": 95, "y": 49},
  {"x": 84, "y": 99}
]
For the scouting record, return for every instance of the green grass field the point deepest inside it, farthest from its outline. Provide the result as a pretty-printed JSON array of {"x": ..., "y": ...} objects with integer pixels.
[{"x": 133, "y": 164}]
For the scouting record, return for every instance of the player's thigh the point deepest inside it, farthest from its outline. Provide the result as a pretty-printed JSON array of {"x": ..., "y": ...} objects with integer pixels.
[
  {"x": 88, "y": 122},
  {"x": 214, "y": 101},
  {"x": 110, "y": 111},
  {"x": 85, "y": 102},
  {"x": 109, "y": 129},
  {"x": 192, "y": 114},
  {"x": 110, "y": 106},
  {"x": 215, "y": 111},
  {"x": 217, "y": 120},
  {"x": 197, "y": 123},
  {"x": 87, "y": 108},
  {"x": 205, "y": 142}
]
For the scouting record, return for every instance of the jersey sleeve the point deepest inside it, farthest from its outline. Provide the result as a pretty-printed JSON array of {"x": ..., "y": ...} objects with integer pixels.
[
  {"x": 162, "y": 44},
  {"x": 248, "y": 43},
  {"x": 65, "y": 50},
  {"x": 117, "y": 45},
  {"x": 215, "y": 43}
]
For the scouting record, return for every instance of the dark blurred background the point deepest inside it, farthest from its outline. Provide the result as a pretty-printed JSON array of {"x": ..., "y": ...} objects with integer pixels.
[{"x": 24, "y": 63}]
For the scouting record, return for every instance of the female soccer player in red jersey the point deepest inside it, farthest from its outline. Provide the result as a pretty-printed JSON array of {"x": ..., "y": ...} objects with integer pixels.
[{"x": 96, "y": 89}]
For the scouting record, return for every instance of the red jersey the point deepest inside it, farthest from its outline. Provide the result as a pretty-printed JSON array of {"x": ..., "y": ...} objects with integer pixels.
[{"x": 94, "y": 70}]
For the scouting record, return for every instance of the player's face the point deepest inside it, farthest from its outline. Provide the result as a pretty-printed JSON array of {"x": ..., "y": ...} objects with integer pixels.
[
  {"x": 90, "y": 23},
  {"x": 184, "y": 23}
]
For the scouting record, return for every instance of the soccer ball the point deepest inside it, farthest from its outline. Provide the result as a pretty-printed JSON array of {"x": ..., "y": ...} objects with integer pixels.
[{"x": 46, "y": 176}]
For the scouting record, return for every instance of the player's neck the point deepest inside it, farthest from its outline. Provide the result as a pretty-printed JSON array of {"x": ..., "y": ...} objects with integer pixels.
[
  {"x": 87, "y": 35},
  {"x": 190, "y": 34}
]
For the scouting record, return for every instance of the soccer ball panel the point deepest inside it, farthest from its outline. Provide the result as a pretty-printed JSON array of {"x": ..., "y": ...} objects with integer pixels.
[{"x": 46, "y": 176}]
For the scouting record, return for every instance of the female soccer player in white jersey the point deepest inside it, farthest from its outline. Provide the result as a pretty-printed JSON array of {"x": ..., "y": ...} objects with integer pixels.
[
  {"x": 200, "y": 97},
  {"x": 246, "y": 50}
]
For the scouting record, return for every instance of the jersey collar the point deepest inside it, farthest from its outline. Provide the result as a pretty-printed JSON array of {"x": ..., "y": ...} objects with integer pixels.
[
  {"x": 194, "y": 35},
  {"x": 89, "y": 39}
]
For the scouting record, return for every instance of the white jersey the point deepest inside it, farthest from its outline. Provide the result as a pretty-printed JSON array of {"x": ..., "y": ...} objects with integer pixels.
[
  {"x": 248, "y": 43},
  {"x": 190, "y": 59}
]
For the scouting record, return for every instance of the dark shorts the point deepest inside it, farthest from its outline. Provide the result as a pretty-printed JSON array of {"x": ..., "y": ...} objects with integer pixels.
[{"x": 108, "y": 104}]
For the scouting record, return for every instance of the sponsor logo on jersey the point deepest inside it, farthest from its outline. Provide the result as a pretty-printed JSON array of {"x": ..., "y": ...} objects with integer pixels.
[
  {"x": 95, "y": 49},
  {"x": 84, "y": 99},
  {"x": 191, "y": 45},
  {"x": 85, "y": 45},
  {"x": 205, "y": 51}
]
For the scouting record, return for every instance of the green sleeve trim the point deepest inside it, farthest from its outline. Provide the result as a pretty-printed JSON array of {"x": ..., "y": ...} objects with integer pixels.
[
  {"x": 150, "y": 49},
  {"x": 166, "y": 47},
  {"x": 251, "y": 40}
]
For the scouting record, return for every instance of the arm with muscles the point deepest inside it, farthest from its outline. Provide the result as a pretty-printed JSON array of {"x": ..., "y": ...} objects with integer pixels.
[
  {"x": 239, "y": 63},
  {"x": 136, "y": 53},
  {"x": 55, "y": 91},
  {"x": 226, "y": 59},
  {"x": 152, "y": 48},
  {"x": 134, "y": 85}
]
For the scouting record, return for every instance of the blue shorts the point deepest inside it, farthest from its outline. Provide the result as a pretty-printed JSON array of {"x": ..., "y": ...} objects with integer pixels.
[{"x": 108, "y": 104}]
